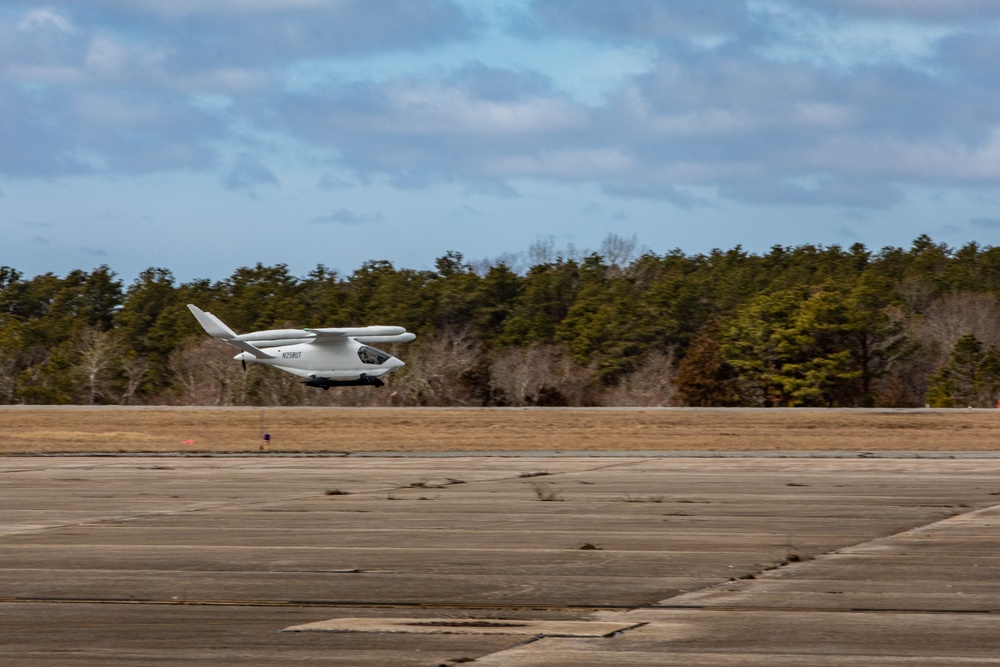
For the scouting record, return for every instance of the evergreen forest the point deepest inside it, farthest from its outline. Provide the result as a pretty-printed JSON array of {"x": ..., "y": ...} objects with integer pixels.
[{"x": 821, "y": 326}]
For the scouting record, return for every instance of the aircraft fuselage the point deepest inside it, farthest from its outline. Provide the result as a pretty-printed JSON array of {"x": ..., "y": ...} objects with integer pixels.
[{"x": 349, "y": 361}]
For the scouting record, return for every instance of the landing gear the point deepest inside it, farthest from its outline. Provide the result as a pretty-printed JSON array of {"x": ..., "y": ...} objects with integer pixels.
[{"x": 325, "y": 383}]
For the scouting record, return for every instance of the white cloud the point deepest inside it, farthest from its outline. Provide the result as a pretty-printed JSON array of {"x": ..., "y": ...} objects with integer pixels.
[
  {"x": 945, "y": 161},
  {"x": 440, "y": 109},
  {"x": 106, "y": 56},
  {"x": 986, "y": 223},
  {"x": 638, "y": 19},
  {"x": 41, "y": 20},
  {"x": 588, "y": 164},
  {"x": 944, "y": 11},
  {"x": 343, "y": 216},
  {"x": 96, "y": 109},
  {"x": 248, "y": 172},
  {"x": 765, "y": 100},
  {"x": 180, "y": 8}
]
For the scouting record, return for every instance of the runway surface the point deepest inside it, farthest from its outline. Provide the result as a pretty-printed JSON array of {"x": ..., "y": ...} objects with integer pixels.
[{"x": 484, "y": 560}]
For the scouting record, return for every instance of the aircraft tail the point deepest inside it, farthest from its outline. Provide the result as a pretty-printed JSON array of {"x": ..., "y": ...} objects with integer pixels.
[
  {"x": 218, "y": 329},
  {"x": 212, "y": 324}
]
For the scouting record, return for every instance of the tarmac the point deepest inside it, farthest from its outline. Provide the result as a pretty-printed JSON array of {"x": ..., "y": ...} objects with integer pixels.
[{"x": 500, "y": 560}]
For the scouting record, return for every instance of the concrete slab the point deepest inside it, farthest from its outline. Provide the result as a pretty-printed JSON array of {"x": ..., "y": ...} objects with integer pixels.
[
  {"x": 799, "y": 637},
  {"x": 452, "y": 626},
  {"x": 745, "y": 561},
  {"x": 98, "y": 635}
]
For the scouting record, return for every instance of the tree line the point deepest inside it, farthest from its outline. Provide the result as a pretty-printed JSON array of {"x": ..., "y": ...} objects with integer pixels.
[{"x": 796, "y": 326}]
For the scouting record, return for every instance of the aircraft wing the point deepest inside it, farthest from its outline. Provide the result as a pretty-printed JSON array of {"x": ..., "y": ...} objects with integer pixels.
[
  {"x": 275, "y": 338},
  {"x": 354, "y": 332},
  {"x": 336, "y": 336},
  {"x": 400, "y": 338}
]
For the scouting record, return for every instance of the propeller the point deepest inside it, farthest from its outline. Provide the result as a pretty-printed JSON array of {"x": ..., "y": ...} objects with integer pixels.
[{"x": 244, "y": 362}]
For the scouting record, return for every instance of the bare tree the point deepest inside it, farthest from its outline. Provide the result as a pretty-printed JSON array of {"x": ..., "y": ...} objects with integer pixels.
[
  {"x": 932, "y": 335},
  {"x": 185, "y": 372},
  {"x": 8, "y": 377},
  {"x": 619, "y": 253},
  {"x": 650, "y": 385},
  {"x": 276, "y": 387},
  {"x": 954, "y": 315},
  {"x": 542, "y": 251},
  {"x": 204, "y": 373},
  {"x": 440, "y": 371},
  {"x": 98, "y": 353},
  {"x": 136, "y": 367},
  {"x": 516, "y": 262},
  {"x": 539, "y": 375}
]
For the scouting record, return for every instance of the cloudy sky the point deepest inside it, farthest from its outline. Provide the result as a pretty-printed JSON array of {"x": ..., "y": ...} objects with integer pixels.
[{"x": 203, "y": 136}]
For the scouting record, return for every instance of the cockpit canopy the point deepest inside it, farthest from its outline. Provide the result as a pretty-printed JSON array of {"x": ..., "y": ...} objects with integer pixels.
[{"x": 369, "y": 355}]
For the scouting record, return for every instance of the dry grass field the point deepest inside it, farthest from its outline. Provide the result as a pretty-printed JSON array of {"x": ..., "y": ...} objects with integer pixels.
[{"x": 26, "y": 429}]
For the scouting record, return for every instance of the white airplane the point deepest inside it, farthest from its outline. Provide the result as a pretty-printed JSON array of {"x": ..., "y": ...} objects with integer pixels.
[{"x": 324, "y": 357}]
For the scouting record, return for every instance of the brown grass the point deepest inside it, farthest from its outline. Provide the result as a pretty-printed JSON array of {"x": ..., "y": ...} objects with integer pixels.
[{"x": 110, "y": 429}]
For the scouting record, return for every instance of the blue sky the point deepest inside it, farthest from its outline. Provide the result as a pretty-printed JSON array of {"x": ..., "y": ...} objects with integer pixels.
[{"x": 205, "y": 136}]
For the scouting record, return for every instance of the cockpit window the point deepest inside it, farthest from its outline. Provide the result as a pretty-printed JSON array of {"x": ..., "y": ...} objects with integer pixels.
[{"x": 369, "y": 355}]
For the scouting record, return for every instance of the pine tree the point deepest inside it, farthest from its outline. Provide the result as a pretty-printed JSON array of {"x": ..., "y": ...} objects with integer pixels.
[
  {"x": 971, "y": 378},
  {"x": 704, "y": 377}
]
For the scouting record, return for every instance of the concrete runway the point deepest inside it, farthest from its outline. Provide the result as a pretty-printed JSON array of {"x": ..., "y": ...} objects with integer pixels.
[{"x": 503, "y": 561}]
